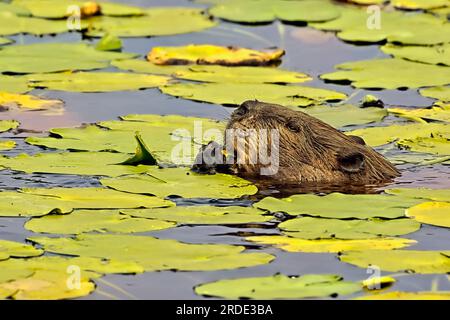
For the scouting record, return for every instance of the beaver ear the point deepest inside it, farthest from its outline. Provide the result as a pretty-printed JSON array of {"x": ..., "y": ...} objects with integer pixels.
[
  {"x": 351, "y": 162},
  {"x": 358, "y": 140}
]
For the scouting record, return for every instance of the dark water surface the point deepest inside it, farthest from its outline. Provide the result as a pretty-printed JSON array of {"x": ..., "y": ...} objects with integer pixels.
[{"x": 310, "y": 51}]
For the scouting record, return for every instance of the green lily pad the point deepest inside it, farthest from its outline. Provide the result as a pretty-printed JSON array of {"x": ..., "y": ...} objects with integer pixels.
[
  {"x": 96, "y": 81},
  {"x": 420, "y": 4},
  {"x": 318, "y": 228},
  {"x": 390, "y": 74},
  {"x": 434, "y": 213},
  {"x": 39, "y": 202},
  {"x": 400, "y": 295},
  {"x": 440, "y": 93},
  {"x": 422, "y": 193},
  {"x": 436, "y": 113},
  {"x": 184, "y": 183},
  {"x": 377, "y": 136},
  {"x": 57, "y": 9},
  {"x": 94, "y": 220},
  {"x": 279, "y": 286},
  {"x": 401, "y": 260},
  {"x": 10, "y": 24},
  {"x": 80, "y": 163},
  {"x": 236, "y": 93},
  {"x": 258, "y": 11},
  {"x": 13, "y": 8},
  {"x": 5, "y": 41},
  {"x": 6, "y": 125},
  {"x": 345, "y": 115},
  {"x": 395, "y": 27},
  {"x": 109, "y": 43},
  {"x": 331, "y": 245},
  {"x": 10, "y": 249},
  {"x": 340, "y": 206},
  {"x": 52, "y": 57},
  {"x": 7, "y": 145},
  {"x": 433, "y": 55},
  {"x": 199, "y": 215},
  {"x": 155, "y": 22},
  {"x": 14, "y": 84},
  {"x": 155, "y": 254},
  {"x": 438, "y": 145}
]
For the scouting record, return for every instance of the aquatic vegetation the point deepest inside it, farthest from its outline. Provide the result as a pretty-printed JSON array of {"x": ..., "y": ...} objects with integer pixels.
[
  {"x": 24, "y": 101},
  {"x": 431, "y": 54},
  {"x": 437, "y": 113},
  {"x": 422, "y": 193},
  {"x": 434, "y": 213},
  {"x": 7, "y": 144},
  {"x": 279, "y": 286},
  {"x": 10, "y": 249},
  {"x": 6, "y": 125},
  {"x": 425, "y": 262},
  {"x": 400, "y": 295}
]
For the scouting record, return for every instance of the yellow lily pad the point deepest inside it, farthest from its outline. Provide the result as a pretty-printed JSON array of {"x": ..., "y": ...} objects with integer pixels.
[
  {"x": 24, "y": 101},
  {"x": 439, "y": 93},
  {"x": 7, "y": 145},
  {"x": 420, "y": 4},
  {"x": 18, "y": 250},
  {"x": 6, "y": 125},
  {"x": 434, "y": 213},
  {"x": 435, "y": 113},
  {"x": 401, "y": 295},
  {"x": 422, "y": 193}
]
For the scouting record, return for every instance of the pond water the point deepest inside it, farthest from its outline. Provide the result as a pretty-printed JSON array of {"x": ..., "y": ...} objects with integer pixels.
[{"x": 310, "y": 51}]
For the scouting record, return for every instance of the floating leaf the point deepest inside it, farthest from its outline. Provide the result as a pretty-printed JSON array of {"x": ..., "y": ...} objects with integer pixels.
[
  {"x": 419, "y": 4},
  {"x": 421, "y": 115},
  {"x": 7, "y": 145},
  {"x": 400, "y": 295},
  {"x": 184, "y": 183},
  {"x": 18, "y": 250},
  {"x": 109, "y": 43},
  {"x": 422, "y": 193},
  {"x": 94, "y": 220},
  {"x": 155, "y": 254},
  {"x": 440, "y": 93},
  {"x": 95, "y": 81},
  {"x": 438, "y": 145},
  {"x": 378, "y": 283},
  {"x": 434, "y": 213},
  {"x": 51, "y": 57},
  {"x": 211, "y": 54},
  {"x": 6, "y": 125},
  {"x": 331, "y": 245},
  {"x": 80, "y": 163},
  {"x": 10, "y": 24},
  {"x": 340, "y": 206},
  {"x": 14, "y": 84},
  {"x": 400, "y": 260},
  {"x": 433, "y": 55},
  {"x": 13, "y": 8},
  {"x": 279, "y": 286},
  {"x": 251, "y": 11},
  {"x": 377, "y": 136},
  {"x": 203, "y": 215},
  {"x": 390, "y": 74},
  {"x": 155, "y": 22},
  {"x": 27, "y": 101},
  {"x": 216, "y": 73},
  {"x": 5, "y": 41},
  {"x": 142, "y": 155},
  {"x": 57, "y": 9},
  {"x": 318, "y": 228},
  {"x": 39, "y": 202},
  {"x": 235, "y": 94}
]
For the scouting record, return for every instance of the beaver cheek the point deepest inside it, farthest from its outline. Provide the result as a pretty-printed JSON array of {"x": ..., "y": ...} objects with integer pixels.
[{"x": 351, "y": 162}]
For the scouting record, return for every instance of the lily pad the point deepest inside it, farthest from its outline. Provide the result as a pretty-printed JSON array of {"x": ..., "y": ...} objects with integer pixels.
[
  {"x": 13, "y": 8},
  {"x": 420, "y": 4},
  {"x": 96, "y": 81},
  {"x": 5, "y": 41},
  {"x": 331, "y": 245},
  {"x": 235, "y": 94},
  {"x": 10, "y": 249},
  {"x": 422, "y": 193},
  {"x": 215, "y": 73},
  {"x": 109, "y": 43},
  {"x": 14, "y": 84},
  {"x": 199, "y": 215},
  {"x": 184, "y": 183},
  {"x": 430, "y": 54},
  {"x": 340, "y": 206},
  {"x": 377, "y": 136},
  {"x": 10, "y": 24},
  {"x": 440, "y": 93},
  {"x": 25, "y": 101},
  {"x": 279, "y": 286},
  {"x": 94, "y": 220},
  {"x": 52, "y": 57},
  {"x": 435, "y": 113},
  {"x": 7, "y": 145},
  {"x": 318, "y": 228},
  {"x": 39, "y": 202},
  {"x": 401, "y": 295},
  {"x": 212, "y": 54},
  {"x": 80, "y": 163},
  {"x": 260, "y": 11},
  {"x": 390, "y": 74},
  {"x": 155, "y": 254},
  {"x": 6, "y": 125},
  {"x": 434, "y": 213},
  {"x": 438, "y": 145},
  {"x": 400, "y": 260},
  {"x": 155, "y": 22}
]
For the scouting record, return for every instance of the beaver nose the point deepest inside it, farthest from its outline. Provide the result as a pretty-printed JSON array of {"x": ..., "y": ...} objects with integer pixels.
[{"x": 242, "y": 110}]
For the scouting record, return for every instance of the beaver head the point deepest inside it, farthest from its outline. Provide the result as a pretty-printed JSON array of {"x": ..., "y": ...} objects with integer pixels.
[{"x": 308, "y": 150}]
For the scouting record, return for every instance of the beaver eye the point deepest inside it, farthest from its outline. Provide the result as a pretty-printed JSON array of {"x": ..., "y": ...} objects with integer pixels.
[
  {"x": 241, "y": 110},
  {"x": 291, "y": 125}
]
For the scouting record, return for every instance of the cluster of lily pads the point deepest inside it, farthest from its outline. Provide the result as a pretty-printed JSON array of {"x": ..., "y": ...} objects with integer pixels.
[{"x": 96, "y": 225}]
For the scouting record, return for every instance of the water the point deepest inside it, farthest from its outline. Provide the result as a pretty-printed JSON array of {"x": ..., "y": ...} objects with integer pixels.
[{"x": 310, "y": 51}]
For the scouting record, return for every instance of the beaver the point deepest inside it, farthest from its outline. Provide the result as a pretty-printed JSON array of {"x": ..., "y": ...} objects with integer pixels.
[{"x": 308, "y": 150}]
